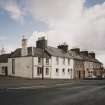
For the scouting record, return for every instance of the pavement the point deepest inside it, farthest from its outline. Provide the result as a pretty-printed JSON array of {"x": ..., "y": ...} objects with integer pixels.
[{"x": 52, "y": 92}]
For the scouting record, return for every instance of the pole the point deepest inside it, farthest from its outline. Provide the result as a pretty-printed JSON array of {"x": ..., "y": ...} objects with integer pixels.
[{"x": 43, "y": 63}]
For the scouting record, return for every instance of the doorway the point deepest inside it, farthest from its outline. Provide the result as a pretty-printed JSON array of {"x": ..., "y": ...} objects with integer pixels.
[{"x": 6, "y": 71}]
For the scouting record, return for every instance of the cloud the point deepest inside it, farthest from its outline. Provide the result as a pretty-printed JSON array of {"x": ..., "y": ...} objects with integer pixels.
[
  {"x": 70, "y": 21},
  {"x": 67, "y": 21},
  {"x": 13, "y": 9}
]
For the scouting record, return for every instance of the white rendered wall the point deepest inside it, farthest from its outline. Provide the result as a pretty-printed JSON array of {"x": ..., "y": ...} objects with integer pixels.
[
  {"x": 36, "y": 65},
  {"x": 60, "y": 66},
  {"x": 23, "y": 67}
]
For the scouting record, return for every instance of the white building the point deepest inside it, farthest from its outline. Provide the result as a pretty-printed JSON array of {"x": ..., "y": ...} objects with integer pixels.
[{"x": 45, "y": 62}]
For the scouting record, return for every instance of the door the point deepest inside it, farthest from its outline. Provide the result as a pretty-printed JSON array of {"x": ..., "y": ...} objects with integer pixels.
[{"x": 6, "y": 71}]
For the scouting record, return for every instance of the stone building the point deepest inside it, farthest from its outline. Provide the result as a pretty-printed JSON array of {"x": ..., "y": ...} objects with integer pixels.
[{"x": 48, "y": 62}]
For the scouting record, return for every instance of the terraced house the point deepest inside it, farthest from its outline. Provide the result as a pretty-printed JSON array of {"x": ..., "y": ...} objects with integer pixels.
[{"x": 48, "y": 62}]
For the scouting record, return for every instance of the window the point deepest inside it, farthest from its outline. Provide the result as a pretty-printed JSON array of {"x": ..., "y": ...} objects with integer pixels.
[
  {"x": 13, "y": 66},
  {"x": 63, "y": 70},
  {"x": 47, "y": 71},
  {"x": 68, "y": 70},
  {"x": 64, "y": 61},
  {"x": 39, "y": 60},
  {"x": 39, "y": 70},
  {"x": 57, "y": 70},
  {"x": 3, "y": 69},
  {"x": 68, "y": 61},
  {"x": 71, "y": 71},
  {"x": 47, "y": 60},
  {"x": 57, "y": 60}
]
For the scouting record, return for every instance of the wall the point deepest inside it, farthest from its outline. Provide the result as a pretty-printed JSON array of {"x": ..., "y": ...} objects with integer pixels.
[
  {"x": 79, "y": 69},
  {"x": 36, "y": 65},
  {"x": 60, "y": 66},
  {"x": 88, "y": 69},
  {"x": 23, "y": 67}
]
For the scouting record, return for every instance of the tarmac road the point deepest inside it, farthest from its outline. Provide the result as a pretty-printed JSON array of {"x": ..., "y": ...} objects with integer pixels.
[{"x": 85, "y": 92}]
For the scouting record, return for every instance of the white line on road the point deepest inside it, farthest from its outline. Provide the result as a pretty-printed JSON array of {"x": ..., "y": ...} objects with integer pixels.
[
  {"x": 63, "y": 84},
  {"x": 38, "y": 87},
  {"x": 27, "y": 87}
]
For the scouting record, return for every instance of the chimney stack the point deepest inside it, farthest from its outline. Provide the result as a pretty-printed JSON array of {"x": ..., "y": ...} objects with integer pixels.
[
  {"x": 84, "y": 53},
  {"x": 41, "y": 42},
  {"x": 24, "y": 51},
  {"x": 92, "y": 55},
  {"x": 76, "y": 51},
  {"x": 64, "y": 47}
]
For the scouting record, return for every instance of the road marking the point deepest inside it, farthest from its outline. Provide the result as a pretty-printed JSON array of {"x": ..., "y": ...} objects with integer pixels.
[
  {"x": 38, "y": 87},
  {"x": 63, "y": 84},
  {"x": 27, "y": 87}
]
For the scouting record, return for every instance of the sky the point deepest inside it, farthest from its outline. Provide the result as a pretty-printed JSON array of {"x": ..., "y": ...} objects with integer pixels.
[{"x": 79, "y": 23}]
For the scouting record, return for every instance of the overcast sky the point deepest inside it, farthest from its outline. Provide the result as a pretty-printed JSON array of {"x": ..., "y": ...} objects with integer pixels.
[{"x": 79, "y": 23}]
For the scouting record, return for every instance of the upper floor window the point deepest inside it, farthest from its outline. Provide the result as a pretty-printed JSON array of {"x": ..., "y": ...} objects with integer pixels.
[
  {"x": 64, "y": 61},
  {"x": 39, "y": 60},
  {"x": 57, "y": 60},
  {"x": 47, "y": 60},
  {"x": 68, "y": 61}
]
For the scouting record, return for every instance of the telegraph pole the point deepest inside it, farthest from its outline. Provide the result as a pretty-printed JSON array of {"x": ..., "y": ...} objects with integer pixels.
[{"x": 43, "y": 49}]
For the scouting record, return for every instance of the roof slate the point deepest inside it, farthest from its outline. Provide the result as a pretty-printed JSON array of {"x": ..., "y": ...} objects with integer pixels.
[
  {"x": 57, "y": 52},
  {"x": 32, "y": 51},
  {"x": 4, "y": 58},
  {"x": 48, "y": 52}
]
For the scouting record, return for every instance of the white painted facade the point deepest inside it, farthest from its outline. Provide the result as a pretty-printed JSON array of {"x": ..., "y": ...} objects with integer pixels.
[
  {"x": 27, "y": 67},
  {"x": 22, "y": 67},
  {"x": 61, "y": 70},
  {"x": 37, "y": 65}
]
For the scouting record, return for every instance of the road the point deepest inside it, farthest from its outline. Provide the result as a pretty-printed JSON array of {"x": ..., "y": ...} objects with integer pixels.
[{"x": 85, "y": 92}]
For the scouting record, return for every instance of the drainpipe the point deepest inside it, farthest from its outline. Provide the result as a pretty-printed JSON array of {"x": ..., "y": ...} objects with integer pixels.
[{"x": 32, "y": 63}]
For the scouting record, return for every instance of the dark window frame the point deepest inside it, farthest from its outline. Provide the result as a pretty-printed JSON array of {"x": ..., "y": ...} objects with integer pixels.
[{"x": 47, "y": 71}]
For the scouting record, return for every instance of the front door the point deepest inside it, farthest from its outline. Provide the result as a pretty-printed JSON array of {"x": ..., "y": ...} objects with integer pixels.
[
  {"x": 6, "y": 71},
  {"x": 79, "y": 74}
]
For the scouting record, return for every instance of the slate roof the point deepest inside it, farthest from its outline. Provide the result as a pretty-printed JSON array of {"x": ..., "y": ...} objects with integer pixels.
[
  {"x": 4, "y": 58},
  {"x": 36, "y": 52},
  {"x": 57, "y": 52},
  {"x": 49, "y": 51}
]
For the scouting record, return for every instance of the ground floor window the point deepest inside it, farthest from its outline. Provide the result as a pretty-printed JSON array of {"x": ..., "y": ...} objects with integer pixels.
[
  {"x": 57, "y": 71},
  {"x": 5, "y": 70},
  {"x": 39, "y": 70},
  {"x": 47, "y": 71},
  {"x": 13, "y": 66},
  {"x": 68, "y": 70},
  {"x": 63, "y": 71}
]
